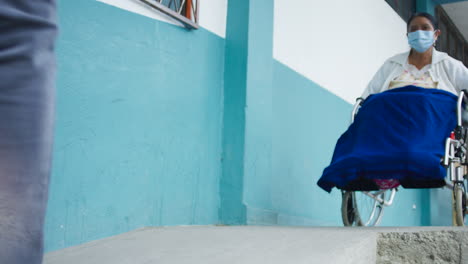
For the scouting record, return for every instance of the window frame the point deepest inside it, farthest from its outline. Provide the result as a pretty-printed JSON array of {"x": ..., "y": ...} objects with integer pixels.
[{"x": 189, "y": 19}]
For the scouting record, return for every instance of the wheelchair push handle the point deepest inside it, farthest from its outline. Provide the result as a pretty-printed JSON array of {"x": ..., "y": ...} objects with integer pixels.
[
  {"x": 358, "y": 104},
  {"x": 462, "y": 98}
]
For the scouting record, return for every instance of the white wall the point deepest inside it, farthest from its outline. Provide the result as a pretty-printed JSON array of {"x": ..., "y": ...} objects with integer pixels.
[
  {"x": 339, "y": 44},
  {"x": 212, "y": 13}
]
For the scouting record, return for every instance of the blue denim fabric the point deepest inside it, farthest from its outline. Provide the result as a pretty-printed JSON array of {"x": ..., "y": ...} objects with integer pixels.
[{"x": 27, "y": 77}]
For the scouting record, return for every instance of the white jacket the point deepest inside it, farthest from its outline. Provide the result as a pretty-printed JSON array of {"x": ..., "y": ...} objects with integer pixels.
[{"x": 451, "y": 74}]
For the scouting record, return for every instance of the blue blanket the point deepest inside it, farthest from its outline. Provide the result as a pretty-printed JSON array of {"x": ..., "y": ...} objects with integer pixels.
[{"x": 398, "y": 134}]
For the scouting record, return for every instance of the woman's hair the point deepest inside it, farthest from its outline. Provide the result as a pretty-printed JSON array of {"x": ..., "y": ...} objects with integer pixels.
[{"x": 430, "y": 17}]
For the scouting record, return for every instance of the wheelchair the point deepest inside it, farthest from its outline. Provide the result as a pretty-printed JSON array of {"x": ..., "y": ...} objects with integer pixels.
[{"x": 365, "y": 208}]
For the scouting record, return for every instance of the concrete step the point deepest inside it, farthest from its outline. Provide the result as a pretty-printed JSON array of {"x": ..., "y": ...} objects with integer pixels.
[
  {"x": 436, "y": 246},
  {"x": 269, "y": 244}
]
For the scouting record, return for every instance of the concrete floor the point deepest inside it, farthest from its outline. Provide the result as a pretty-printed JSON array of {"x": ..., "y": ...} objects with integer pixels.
[{"x": 235, "y": 244}]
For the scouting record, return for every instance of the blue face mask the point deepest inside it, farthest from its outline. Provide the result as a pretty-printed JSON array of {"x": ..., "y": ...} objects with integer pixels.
[{"x": 421, "y": 40}]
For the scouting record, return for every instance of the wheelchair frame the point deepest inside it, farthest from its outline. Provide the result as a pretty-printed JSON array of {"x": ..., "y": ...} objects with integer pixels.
[{"x": 455, "y": 160}]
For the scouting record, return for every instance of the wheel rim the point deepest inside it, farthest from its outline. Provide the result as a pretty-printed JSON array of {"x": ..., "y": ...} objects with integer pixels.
[
  {"x": 347, "y": 209},
  {"x": 369, "y": 211},
  {"x": 350, "y": 212},
  {"x": 459, "y": 206}
]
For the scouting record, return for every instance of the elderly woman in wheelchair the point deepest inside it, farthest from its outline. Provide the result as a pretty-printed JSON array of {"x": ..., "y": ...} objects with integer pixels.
[{"x": 407, "y": 129}]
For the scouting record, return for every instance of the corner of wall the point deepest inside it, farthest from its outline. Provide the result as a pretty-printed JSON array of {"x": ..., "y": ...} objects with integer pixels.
[{"x": 232, "y": 209}]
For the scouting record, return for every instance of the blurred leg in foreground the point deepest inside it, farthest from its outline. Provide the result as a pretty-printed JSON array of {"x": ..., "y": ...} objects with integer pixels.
[{"x": 27, "y": 77}]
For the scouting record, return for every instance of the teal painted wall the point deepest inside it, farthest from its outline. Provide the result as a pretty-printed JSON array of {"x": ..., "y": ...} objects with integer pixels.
[
  {"x": 307, "y": 122},
  {"x": 259, "y": 109},
  {"x": 427, "y": 6},
  {"x": 232, "y": 209},
  {"x": 139, "y": 121},
  {"x": 441, "y": 207}
]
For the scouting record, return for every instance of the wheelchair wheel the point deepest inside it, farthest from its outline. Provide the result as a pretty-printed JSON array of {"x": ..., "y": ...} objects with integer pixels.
[
  {"x": 359, "y": 209},
  {"x": 459, "y": 205},
  {"x": 348, "y": 211}
]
